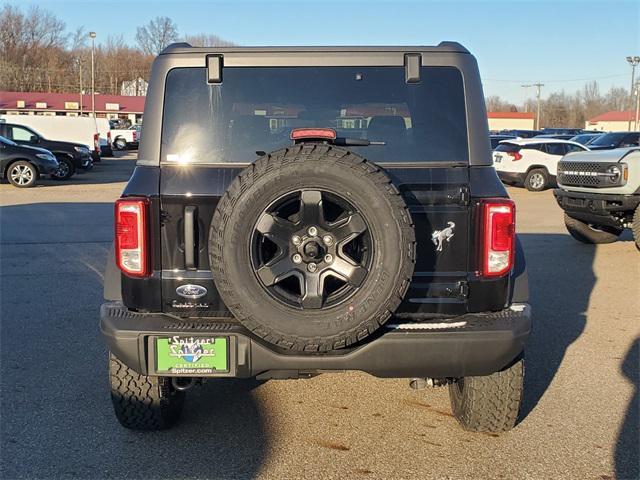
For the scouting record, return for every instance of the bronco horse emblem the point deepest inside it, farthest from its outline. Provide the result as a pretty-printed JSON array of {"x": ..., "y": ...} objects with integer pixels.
[{"x": 438, "y": 237}]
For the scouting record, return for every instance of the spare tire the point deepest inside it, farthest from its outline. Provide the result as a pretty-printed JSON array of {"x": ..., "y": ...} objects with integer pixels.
[{"x": 312, "y": 248}]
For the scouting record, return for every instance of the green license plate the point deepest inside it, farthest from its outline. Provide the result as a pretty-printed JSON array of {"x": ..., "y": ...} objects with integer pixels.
[{"x": 182, "y": 355}]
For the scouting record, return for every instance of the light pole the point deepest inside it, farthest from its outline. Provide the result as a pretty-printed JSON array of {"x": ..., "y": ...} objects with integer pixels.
[
  {"x": 79, "y": 60},
  {"x": 526, "y": 97},
  {"x": 637, "y": 106},
  {"x": 633, "y": 61},
  {"x": 93, "y": 78}
]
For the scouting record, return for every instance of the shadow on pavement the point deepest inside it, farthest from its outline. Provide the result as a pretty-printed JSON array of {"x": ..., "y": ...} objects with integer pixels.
[
  {"x": 57, "y": 418},
  {"x": 561, "y": 279},
  {"x": 627, "y": 457}
]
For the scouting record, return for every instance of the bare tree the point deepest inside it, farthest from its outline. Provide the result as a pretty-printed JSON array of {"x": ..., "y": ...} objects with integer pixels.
[
  {"x": 153, "y": 37},
  {"x": 30, "y": 47},
  {"x": 497, "y": 104},
  {"x": 207, "y": 40}
]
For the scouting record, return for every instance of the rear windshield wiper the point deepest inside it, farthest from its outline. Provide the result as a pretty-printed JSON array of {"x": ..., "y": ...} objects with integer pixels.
[{"x": 355, "y": 142}]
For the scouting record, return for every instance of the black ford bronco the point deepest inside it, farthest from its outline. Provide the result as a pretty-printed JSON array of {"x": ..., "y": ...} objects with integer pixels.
[{"x": 303, "y": 210}]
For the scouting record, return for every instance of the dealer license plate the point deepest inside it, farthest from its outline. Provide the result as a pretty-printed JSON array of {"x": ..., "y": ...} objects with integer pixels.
[{"x": 191, "y": 355}]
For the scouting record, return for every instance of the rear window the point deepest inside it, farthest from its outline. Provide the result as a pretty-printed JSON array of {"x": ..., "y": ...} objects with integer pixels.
[
  {"x": 608, "y": 139},
  {"x": 255, "y": 109},
  {"x": 507, "y": 147}
]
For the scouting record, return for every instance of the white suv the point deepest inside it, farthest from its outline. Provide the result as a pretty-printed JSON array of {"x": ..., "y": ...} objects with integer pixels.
[{"x": 531, "y": 162}]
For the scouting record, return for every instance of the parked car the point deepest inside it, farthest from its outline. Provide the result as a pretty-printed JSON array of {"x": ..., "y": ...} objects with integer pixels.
[
  {"x": 520, "y": 133},
  {"x": 496, "y": 139},
  {"x": 22, "y": 166},
  {"x": 79, "y": 130},
  {"x": 561, "y": 131},
  {"x": 531, "y": 162},
  {"x": 585, "y": 138},
  {"x": 600, "y": 194},
  {"x": 316, "y": 259},
  {"x": 124, "y": 138},
  {"x": 559, "y": 136},
  {"x": 72, "y": 157},
  {"x": 613, "y": 140}
]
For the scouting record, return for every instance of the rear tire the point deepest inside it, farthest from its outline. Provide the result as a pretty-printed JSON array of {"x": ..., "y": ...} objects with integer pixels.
[
  {"x": 490, "y": 403},
  {"x": 22, "y": 174},
  {"x": 585, "y": 233},
  {"x": 635, "y": 227},
  {"x": 142, "y": 402},
  {"x": 120, "y": 143},
  {"x": 536, "y": 180}
]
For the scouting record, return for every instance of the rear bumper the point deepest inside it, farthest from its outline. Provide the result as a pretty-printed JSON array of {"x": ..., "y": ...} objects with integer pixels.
[
  {"x": 469, "y": 345},
  {"x": 597, "y": 208},
  {"x": 512, "y": 177}
]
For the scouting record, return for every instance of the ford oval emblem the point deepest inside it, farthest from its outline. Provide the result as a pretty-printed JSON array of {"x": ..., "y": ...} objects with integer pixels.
[{"x": 191, "y": 291}]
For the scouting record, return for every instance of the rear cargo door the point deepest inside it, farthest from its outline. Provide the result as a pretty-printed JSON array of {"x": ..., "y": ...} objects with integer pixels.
[{"x": 213, "y": 130}]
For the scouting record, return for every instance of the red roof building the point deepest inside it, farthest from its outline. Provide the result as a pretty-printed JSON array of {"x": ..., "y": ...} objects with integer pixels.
[
  {"x": 613, "y": 121},
  {"x": 510, "y": 121},
  {"x": 519, "y": 115},
  {"x": 71, "y": 104}
]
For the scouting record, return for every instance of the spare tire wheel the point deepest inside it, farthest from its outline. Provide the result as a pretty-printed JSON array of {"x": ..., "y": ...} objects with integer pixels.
[{"x": 312, "y": 248}]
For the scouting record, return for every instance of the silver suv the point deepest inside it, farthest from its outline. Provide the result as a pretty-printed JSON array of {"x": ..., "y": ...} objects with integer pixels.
[{"x": 600, "y": 194}]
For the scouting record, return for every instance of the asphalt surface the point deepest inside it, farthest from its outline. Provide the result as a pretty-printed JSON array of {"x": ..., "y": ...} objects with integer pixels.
[{"x": 579, "y": 419}]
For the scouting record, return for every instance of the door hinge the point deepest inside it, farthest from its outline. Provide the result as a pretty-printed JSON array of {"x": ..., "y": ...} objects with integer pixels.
[{"x": 461, "y": 290}]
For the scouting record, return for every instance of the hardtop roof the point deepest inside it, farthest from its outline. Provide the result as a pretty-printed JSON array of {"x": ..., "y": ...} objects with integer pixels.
[{"x": 442, "y": 47}]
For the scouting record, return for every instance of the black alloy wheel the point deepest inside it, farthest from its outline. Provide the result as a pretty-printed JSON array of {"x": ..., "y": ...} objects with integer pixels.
[{"x": 311, "y": 249}]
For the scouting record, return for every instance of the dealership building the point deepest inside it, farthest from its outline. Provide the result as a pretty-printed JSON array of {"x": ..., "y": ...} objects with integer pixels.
[
  {"x": 613, "y": 122},
  {"x": 72, "y": 105},
  {"x": 510, "y": 121}
]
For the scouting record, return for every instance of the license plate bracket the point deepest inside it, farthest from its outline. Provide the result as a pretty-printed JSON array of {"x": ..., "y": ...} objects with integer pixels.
[{"x": 191, "y": 355}]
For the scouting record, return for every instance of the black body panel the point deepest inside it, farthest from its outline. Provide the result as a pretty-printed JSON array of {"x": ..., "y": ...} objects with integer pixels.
[{"x": 444, "y": 282}]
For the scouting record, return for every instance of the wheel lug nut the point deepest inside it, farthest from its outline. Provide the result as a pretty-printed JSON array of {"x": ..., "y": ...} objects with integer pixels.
[
  {"x": 328, "y": 258},
  {"x": 312, "y": 267},
  {"x": 297, "y": 258},
  {"x": 313, "y": 231},
  {"x": 327, "y": 239},
  {"x": 296, "y": 240}
]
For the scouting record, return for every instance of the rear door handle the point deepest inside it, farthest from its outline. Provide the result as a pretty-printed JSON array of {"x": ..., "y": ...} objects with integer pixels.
[{"x": 190, "y": 218}]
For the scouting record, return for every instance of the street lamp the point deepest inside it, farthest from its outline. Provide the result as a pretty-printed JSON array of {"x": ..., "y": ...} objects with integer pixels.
[
  {"x": 79, "y": 63},
  {"x": 526, "y": 96},
  {"x": 636, "y": 125},
  {"x": 633, "y": 61},
  {"x": 92, "y": 35}
]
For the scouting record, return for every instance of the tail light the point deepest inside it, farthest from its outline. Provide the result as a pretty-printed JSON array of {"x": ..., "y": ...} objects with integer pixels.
[
  {"x": 498, "y": 236},
  {"x": 131, "y": 248},
  {"x": 109, "y": 138},
  {"x": 515, "y": 155},
  {"x": 96, "y": 142},
  {"x": 135, "y": 136}
]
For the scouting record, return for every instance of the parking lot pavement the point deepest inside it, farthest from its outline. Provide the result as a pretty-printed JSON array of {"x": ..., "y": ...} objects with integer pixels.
[{"x": 580, "y": 415}]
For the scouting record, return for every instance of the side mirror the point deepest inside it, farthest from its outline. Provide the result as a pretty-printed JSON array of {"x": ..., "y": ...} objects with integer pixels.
[{"x": 34, "y": 139}]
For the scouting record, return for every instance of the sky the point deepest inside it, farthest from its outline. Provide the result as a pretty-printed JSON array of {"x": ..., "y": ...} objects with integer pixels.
[{"x": 562, "y": 43}]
